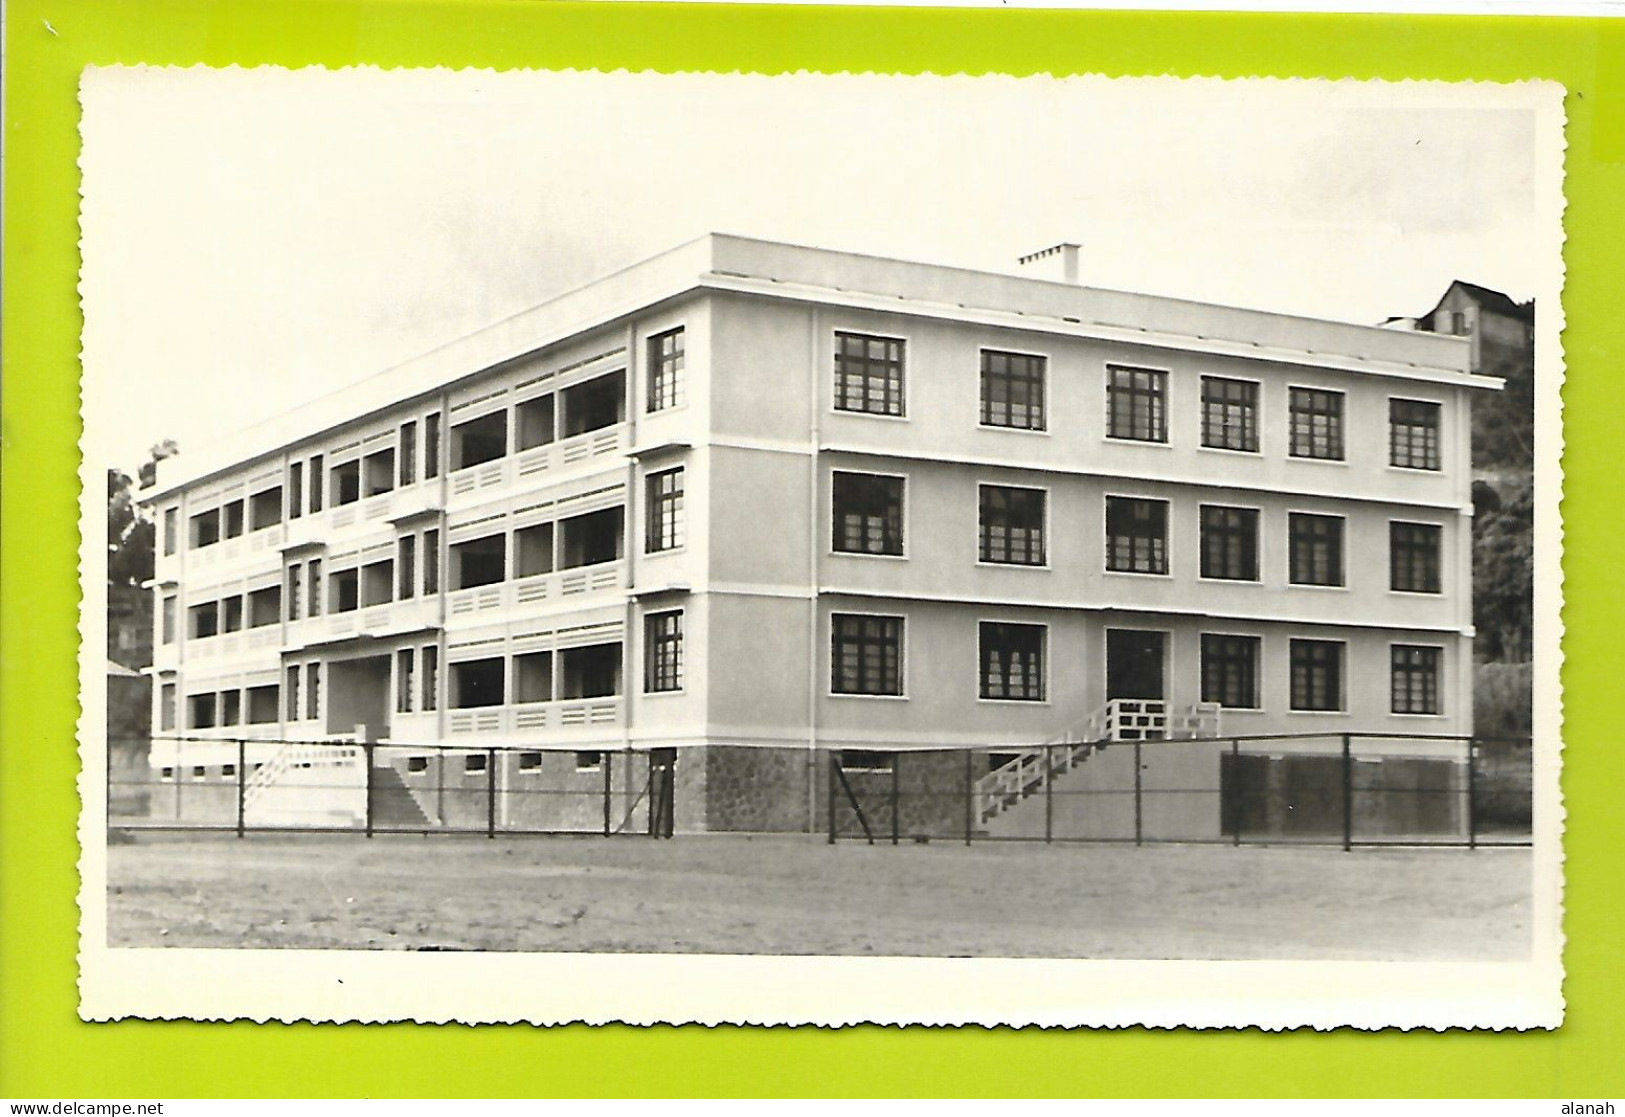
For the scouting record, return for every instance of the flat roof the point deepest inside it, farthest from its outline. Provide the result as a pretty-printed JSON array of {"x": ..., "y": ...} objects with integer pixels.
[{"x": 724, "y": 262}]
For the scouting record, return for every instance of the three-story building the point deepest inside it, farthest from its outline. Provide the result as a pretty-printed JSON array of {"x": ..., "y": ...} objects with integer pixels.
[{"x": 747, "y": 494}]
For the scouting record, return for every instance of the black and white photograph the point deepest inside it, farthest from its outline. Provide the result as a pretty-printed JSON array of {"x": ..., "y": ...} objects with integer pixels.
[{"x": 820, "y": 548}]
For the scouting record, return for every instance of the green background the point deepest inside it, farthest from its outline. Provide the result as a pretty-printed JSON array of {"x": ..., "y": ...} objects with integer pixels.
[{"x": 46, "y": 1051}]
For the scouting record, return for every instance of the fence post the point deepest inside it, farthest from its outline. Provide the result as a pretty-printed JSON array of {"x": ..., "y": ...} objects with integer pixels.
[
  {"x": 896, "y": 766},
  {"x": 1238, "y": 806},
  {"x": 1472, "y": 794},
  {"x": 1139, "y": 815},
  {"x": 1348, "y": 794},
  {"x": 490, "y": 793},
  {"x": 609, "y": 787},
  {"x": 970, "y": 803},
  {"x": 366, "y": 758},
  {"x": 242, "y": 768},
  {"x": 107, "y": 779},
  {"x": 829, "y": 789},
  {"x": 1049, "y": 795}
]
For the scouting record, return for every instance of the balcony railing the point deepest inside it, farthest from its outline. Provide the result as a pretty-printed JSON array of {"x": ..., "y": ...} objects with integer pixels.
[
  {"x": 540, "y": 459},
  {"x": 558, "y": 585},
  {"x": 532, "y": 717}
]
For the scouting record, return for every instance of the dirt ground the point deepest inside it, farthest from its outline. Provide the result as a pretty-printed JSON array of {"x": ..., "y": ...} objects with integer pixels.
[{"x": 788, "y": 895}]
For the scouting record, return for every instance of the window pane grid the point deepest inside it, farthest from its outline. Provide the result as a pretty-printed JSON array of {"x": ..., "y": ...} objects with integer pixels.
[
  {"x": 1415, "y": 679},
  {"x": 867, "y": 654},
  {"x": 1317, "y": 675},
  {"x": 868, "y": 514},
  {"x": 1012, "y": 526},
  {"x": 1315, "y": 546},
  {"x": 1136, "y": 404},
  {"x": 666, "y": 364},
  {"x": 665, "y": 513},
  {"x": 1012, "y": 661},
  {"x": 868, "y": 374},
  {"x": 1229, "y": 413},
  {"x": 1136, "y": 535},
  {"x": 1413, "y": 553},
  {"x": 1316, "y": 422},
  {"x": 1413, "y": 434},
  {"x": 1012, "y": 390},
  {"x": 1229, "y": 543},
  {"x": 1230, "y": 670},
  {"x": 663, "y": 651}
]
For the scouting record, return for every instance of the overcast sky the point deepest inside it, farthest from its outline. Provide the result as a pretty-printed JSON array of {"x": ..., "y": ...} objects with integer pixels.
[{"x": 253, "y": 239}]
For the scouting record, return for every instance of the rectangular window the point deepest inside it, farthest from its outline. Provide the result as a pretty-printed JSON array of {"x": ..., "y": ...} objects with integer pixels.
[
  {"x": 231, "y": 707},
  {"x": 1012, "y": 525},
  {"x": 1230, "y": 670},
  {"x": 866, "y": 654},
  {"x": 1413, "y": 434},
  {"x": 172, "y": 518},
  {"x": 536, "y": 421},
  {"x": 317, "y": 483},
  {"x": 406, "y": 567},
  {"x": 1413, "y": 557},
  {"x": 231, "y": 613},
  {"x": 592, "y": 404},
  {"x": 1012, "y": 657},
  {"x": 663, "y": 652},
  {"x": 1414, "y": 685},
  {"x": 290, "y": 692},
  {"x": 1229, "y": 414},
  {"x": 168, "y": 621},
  {"x": 530, "y": 762},
  {"x": 589, "y": 760},
  {"x": 205, "y": 528},
  {"x": 868, "y": 374},
  {"x": 231, "y": 519},
  {"x": 292, "y": 585},
  {"x": 593, "y": 671},
  {"x": 1013, "y": 390},
  {"x": 476, "y": 683},
  {"x": 345, "y": 480},
  {"x": 313, "y": 691},
  {"x": 431, "y": 677},
  {"x": 1136, "y": 404},
  {"x": 264, "y": 704},
  {"x": 166, "y": 707},
  {"x": 1136, "y": 535},
  {"x": 403, "y": 680},
  {"x": 666, "y": 370},
  {"x": 296, "y": 490},
  {"x": 265, "y": 606},
  {"x": 533, "y": 550},
  {"x": 1317, "y": 675},
  {"x": 1230, "y": 543},
  {"x": 1315, "y": 549},
  {"x": 431, "y": 445},
  {"x": 378, "y": 473},
  {"x": 265, "y": 509},
  {"x": 867, "y": 510},
  {"x": 1315, "y": 421},
  {"x": 315, "y": 574},
  {"x": 533, "y": 677},
  {"x": 431, "y": 561},
  {"x": 346, "y": 590},
  {"x": 408, "y": 456},
  {"x": 480, "y": 440},
  {"x": 205, "y": 620},
  {"x": 479, "y": 562},
  {"x": 378, "y": 583},
  {"x": 474, "y": 763},
  {"x": 666, "y": 519}
]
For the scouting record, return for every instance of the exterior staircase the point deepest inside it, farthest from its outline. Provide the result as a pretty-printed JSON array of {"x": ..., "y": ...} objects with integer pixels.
[
  {"x": 394, "y": 807},
  {"x": 309, "y": 785},
  {"x": 1031, "y": 769}
]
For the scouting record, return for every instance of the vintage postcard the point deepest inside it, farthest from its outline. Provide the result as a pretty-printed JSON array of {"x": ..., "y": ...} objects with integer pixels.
[{"x": 820, "y": 548}]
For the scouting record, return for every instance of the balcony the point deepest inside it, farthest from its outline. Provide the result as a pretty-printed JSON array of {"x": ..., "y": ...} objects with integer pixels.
[
  {"x": 575, "y": 714},
  {"x": 531, "y": 464},
  {"x": 382, "y": 619},
  {"x": 560, "y": 585}
]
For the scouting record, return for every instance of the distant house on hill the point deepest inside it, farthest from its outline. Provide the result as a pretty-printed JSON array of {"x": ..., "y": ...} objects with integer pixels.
[{"x": 1501, "y": 331}]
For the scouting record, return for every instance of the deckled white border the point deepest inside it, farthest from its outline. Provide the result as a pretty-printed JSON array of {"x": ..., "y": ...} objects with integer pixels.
[{"x": 341, "y": 985}]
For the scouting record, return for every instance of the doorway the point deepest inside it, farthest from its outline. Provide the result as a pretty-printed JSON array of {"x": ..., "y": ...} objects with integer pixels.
[
  {"x": 358, "y": 694},
  {"x": 1135, "y": 663}
]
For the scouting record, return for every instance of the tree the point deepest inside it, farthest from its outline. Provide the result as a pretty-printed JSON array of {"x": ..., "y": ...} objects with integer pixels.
[
  {"x": 130, "y": 534},
  {"x": 1503, "y": 570}
]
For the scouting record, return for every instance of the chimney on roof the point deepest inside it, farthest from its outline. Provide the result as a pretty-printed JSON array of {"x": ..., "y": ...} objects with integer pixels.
[{"x": 1057, "y": 262}]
